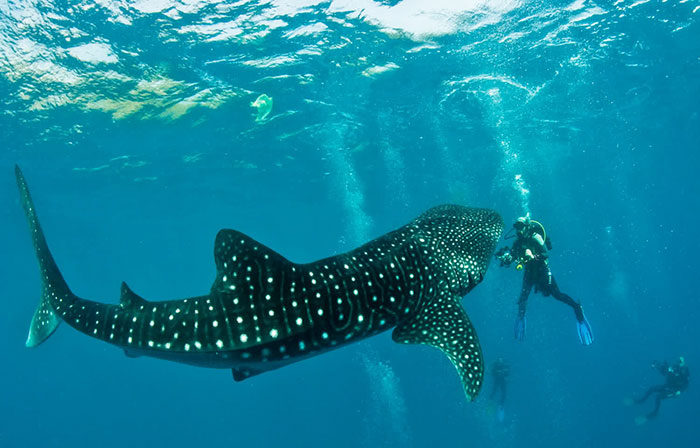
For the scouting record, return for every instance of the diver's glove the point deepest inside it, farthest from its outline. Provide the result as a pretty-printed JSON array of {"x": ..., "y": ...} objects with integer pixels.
[
  {"x": 585, "y": 333},
  {"x": 520, "y": 325}
]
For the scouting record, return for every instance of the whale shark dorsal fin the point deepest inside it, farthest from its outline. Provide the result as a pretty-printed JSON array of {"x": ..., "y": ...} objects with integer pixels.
[
  {"x": 239, "y": 256},
  {"x": 443, "y": 323},
  {"x": 129, "y": 299}
]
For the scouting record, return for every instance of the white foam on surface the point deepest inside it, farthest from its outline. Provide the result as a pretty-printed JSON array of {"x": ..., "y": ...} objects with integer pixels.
[
  {"x": 420, "y": 18},
  {"x": 95, "y": 52}
]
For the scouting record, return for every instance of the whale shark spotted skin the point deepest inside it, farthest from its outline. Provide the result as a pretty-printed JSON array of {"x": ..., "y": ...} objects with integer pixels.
[{"x": 264, "y": 311}]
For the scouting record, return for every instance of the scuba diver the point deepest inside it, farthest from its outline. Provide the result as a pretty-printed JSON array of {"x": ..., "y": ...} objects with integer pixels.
[
  {"x": 529, "y": 252},
  {"x": 500, "y": 372},
  {"x": 676, "y": 382}
]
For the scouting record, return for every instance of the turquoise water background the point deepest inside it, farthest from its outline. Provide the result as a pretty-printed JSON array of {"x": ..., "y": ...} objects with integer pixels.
[{"x": 132, "y": 121}]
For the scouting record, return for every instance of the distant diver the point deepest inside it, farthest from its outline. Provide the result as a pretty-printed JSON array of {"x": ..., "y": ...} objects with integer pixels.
[
  {"x": 264, "y": 311},
  {"x": 529, "y": 252},
  {"x": 677, "y": 379},
  {"x": 500, "y": 372}
]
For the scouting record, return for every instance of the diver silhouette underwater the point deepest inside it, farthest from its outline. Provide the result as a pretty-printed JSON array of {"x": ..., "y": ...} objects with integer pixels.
[
  {"x": 500, "y": 371},
  {"x": 677, "y": 378},
  {"x": 529, "y": 252}
]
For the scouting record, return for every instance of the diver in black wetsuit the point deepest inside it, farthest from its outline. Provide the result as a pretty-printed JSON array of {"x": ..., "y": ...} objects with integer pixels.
[
  {"x": 500, "y": 372},
  {"x": 677, "y": 379},
  {"x": 530, "y": 254}
]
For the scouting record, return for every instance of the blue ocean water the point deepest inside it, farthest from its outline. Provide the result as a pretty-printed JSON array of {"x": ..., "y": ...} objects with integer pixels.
[{"x": 132, "y": 121}]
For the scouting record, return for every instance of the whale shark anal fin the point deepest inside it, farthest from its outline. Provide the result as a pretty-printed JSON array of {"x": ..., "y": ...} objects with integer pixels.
[
  {"x": 243, "y": 373},
  {"x": 443, "y": 323},
  {"x": 131, "y": 354}
]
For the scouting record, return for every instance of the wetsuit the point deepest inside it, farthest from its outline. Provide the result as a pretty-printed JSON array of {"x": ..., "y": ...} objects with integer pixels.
[
  {"x": 677, "y": 379},
  {"x": 531, "y": 250}
]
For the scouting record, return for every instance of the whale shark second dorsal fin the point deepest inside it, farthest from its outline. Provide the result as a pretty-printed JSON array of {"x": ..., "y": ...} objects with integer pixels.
[
  {"x": 129, "y": 299},
  {"x": 239, "y": 258},
  {"x": 443, "y": 324}
]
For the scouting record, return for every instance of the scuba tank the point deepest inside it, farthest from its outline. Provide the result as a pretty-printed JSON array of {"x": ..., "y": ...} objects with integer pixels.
[{"x": 534, "y": 229}]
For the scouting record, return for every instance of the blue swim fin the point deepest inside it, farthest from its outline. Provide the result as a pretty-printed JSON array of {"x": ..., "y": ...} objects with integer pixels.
[
  {"x": 640, "y": 420},
  {"x": 520, "y": 324},
  {"x": 585, "y": 334}
]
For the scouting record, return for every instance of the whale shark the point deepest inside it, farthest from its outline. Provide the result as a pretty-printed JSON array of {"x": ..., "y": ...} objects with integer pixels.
[{"x": 264, "y": 312}]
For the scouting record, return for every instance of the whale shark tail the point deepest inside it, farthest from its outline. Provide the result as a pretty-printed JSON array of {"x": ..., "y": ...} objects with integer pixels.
[{"x": 53, "y": 287}]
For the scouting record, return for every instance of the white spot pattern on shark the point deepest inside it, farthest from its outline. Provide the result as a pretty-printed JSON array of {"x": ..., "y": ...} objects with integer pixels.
[{"x": 264, "y": 311}]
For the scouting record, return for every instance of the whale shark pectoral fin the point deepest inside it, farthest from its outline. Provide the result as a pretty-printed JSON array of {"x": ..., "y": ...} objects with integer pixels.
[
  {"x": 444, "y": 324},
  {"x": 129, "y": 299}
]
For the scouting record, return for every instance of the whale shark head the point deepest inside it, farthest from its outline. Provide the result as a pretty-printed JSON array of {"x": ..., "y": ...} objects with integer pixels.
[
  {"x": 461, "y": 242},
  {"x": 457, "y": 244}
]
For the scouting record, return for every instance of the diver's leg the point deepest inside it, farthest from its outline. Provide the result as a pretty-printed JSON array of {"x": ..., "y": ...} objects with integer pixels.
[
  {"x": 520, "y": 322},
  {"x": 649, "y": 392},
  {"x": 503, "y": 393},
  {"x": 524, "y": 293},
  {"x": 657, "y": 405},
  {"x": 560, "y": 296},
  {"x": 585, "y": 333},
  {"x": 565, "y": 298}
]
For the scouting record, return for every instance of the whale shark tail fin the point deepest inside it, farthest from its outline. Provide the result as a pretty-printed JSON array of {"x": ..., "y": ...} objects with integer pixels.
[{"x": 53, "y": 287}]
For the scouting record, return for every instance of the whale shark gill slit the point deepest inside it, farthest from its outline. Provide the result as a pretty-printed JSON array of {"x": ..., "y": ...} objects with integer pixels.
[{"x": 264, "y": 312}]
